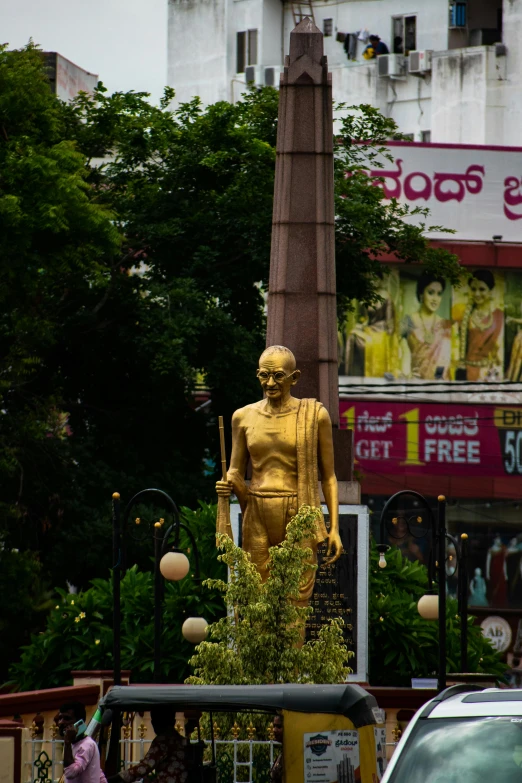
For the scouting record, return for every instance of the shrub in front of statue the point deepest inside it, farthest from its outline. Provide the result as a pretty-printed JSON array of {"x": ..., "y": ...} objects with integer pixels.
[{"x": 260, "y": 638}]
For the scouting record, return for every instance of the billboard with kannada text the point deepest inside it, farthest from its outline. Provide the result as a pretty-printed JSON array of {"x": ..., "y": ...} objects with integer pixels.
[
  {"x": 476, "y": 191},
  {"x": 438, "y": 438}
]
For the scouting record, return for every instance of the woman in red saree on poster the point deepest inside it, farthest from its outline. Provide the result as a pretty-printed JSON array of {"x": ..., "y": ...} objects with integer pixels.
[
  {"x": 428, "y": 334},
  {"x": 481, "y": 329}
]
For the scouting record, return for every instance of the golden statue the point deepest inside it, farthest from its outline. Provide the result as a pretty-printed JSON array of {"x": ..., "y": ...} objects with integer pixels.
[{"x": 287, "y": 440}]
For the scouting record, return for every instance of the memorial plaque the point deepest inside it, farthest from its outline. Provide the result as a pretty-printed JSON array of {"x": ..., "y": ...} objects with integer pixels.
[
  {"x": 340, "y": 590},
  {"x": 335, "y": 589}
]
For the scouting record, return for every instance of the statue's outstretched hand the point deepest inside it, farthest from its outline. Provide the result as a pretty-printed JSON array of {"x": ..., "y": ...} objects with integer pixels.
[
  {"x": 335, "y": 548},
  {"x": 224, "y": 488}
]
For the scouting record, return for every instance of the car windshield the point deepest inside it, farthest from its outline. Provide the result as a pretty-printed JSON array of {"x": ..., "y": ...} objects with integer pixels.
[{"x": 462, "y": 750}]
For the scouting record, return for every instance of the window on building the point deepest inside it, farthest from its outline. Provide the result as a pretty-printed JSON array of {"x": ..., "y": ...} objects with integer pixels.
[
  {"x": 241, "y": 53},
  {"x": 404, "y": 34},
  {"x": 252, "y": 47},
  {"x": 327, "y": 27},
  {"x": 458, "y": 14},
  {"x": 426, "y": 137},
  {"x": 246, "y": 49}
]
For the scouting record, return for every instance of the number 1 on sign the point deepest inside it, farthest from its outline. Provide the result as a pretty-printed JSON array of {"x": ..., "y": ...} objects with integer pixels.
[
  {"x": 349, "y": 415},
  {"x": 412, "y": 437}
]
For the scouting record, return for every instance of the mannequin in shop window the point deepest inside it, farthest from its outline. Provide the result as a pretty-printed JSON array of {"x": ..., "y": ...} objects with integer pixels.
[
  {"x": 496, "y": 573},
  {"x": 477, "y": 589},
  {"x": 514, "y": 572}
]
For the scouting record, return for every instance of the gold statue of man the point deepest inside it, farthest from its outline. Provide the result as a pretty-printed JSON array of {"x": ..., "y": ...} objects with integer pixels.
[{"x": 287, "y": 440}]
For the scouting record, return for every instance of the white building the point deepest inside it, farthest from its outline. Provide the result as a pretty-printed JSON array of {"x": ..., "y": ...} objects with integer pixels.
[
  {"x": 66, "y": 78},
  {"x": 455, "y": 75}
]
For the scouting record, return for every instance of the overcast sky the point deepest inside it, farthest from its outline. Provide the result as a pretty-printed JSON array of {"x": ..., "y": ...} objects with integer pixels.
[{"x": 123, "y": 41}]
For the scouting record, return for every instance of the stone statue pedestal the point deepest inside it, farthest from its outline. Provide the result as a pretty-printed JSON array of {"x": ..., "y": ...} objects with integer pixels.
[{"x": 349, "y": 492}]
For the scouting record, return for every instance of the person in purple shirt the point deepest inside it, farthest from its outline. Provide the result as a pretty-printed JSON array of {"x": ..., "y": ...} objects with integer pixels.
[{"x": 81, "y": 758}]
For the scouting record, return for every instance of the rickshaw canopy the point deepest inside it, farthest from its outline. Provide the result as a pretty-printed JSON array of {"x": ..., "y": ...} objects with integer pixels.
[{"x": 351, "y": 701}]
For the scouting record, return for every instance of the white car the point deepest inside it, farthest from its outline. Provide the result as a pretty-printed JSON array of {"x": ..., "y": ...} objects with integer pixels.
[{"x": 463, "y": 735}]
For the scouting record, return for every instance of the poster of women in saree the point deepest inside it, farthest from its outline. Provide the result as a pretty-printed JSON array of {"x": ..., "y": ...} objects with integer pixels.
[{"x": 423, "y": 328}]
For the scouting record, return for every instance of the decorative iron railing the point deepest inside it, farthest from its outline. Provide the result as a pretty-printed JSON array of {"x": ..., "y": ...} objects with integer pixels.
[{"x": 237, "y": 761}]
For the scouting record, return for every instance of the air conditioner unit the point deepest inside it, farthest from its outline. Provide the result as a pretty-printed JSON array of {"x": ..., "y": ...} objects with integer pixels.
[
  {"x": 393, "y": 65},
  {"x": 272, "y": 74},
  {"x": 420, "y": 61},
  {"x": 254, "y": 75}
]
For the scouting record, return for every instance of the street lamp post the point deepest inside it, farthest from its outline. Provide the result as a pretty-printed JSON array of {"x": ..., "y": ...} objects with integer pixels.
[
  {"x": 169, "y": 563},
  {"x": 430, "y": 606}
]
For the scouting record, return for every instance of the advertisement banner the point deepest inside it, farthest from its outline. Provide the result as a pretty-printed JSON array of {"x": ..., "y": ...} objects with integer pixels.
[
  {"x": 428, "y": 330},
  {"x": 476, "y": 191},
  {"x": 332, "y": 757},
  {"x": 435, "y": 439},
  {"x": 380, "y": 749}
]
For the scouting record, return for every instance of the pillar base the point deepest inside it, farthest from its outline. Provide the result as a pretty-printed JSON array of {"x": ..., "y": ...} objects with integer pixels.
[{"x": 349, "y": 493}]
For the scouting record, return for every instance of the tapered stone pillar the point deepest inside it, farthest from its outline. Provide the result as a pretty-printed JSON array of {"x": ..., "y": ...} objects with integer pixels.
[{"x": 302, "y": 291}]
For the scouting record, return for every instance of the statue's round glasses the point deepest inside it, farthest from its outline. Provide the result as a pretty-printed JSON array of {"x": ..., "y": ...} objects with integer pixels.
[{"x": 278, "y": 377}]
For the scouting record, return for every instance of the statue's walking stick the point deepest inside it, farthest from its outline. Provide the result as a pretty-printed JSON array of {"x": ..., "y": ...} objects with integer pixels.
[
  {"x": 223, "y": 510},
  {"x": 223, "y": 452}
]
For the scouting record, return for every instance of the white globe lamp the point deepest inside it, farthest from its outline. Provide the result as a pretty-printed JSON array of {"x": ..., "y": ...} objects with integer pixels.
[
  {"x": 174, "y": 566},
  {"x": 194, "y": 629},
  {"x": 428, "y": 607}
]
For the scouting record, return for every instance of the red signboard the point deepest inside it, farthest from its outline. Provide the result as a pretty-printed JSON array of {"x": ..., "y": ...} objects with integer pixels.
[{"x": 435, "y": 439}]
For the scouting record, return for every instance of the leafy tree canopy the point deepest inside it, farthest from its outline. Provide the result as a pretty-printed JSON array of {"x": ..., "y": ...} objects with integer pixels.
[{"x": 135, "y": 250}]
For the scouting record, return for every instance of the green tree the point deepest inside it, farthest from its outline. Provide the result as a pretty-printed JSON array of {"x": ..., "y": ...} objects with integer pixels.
[
  {"x": 26, "y": 600},
  {"x": 259, "y": 639},
  {"x": 402, "y": 644},
  {"x": 56, "y": 245},
  {"x": 78, "y": 632},
  {"x": 135, "y": 253}
]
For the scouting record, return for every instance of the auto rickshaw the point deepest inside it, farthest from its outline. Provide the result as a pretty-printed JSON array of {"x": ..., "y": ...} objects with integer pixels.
[{"x": 330, "y": 732}]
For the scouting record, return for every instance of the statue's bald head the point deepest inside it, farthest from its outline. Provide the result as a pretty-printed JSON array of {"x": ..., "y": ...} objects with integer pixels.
[{"x": 287, "y": 357}]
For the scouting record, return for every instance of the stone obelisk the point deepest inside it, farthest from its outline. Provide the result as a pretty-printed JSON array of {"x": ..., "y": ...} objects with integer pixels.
[{"x": 302, "y": 292}]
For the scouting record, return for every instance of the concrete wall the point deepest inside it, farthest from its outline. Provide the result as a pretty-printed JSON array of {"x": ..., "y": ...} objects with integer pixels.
[
  {"x": 512, "y": 87},
  {"x": 468, "y": 96},
  {"x": 197, "y": 49},
  {"x": 271, "y": 48},
  {"x": 459, "y": 96}
]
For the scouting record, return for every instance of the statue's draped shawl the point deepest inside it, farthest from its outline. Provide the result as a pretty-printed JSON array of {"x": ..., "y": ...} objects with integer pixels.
[{"x": 307, "y": 470}]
